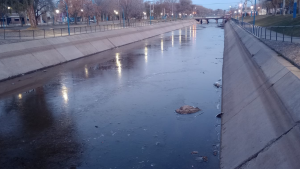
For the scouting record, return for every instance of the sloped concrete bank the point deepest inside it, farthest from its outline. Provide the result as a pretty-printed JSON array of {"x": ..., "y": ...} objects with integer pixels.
[
  {"x": 25, "y": 57},
  {"x": 261, "y": 105}
]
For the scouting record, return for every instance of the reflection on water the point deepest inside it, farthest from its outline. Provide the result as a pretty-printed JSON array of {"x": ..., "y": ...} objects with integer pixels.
[
  {"x": 179, "y": 36},
  {"x": 86, "y": 71},
  {"x": 194, "y": 32},
  {"x": 146, "y": 54},
  {"x": 186, "y": 34},
  {"x": 64, "y": 91},
  {"x": 31, "y": 134},
  {"x": 162, "y": 45},
  {"x": 20, "y": 96},
  {"x": 118, "y": 112},
  {"x": 118, "y": 64},
  {"x": 172, "y": 38}
]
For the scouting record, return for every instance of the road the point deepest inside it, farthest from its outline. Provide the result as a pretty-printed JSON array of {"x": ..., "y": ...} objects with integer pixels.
[{"x": 116, "y": 109}]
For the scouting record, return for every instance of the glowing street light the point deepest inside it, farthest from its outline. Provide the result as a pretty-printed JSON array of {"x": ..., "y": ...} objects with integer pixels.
[
  {"x": 8, "y": 7},
  {"x": 57, "y": 11},
  {"x": 81, "y": 10}
]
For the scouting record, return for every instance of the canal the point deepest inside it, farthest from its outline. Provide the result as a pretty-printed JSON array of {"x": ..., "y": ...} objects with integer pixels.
[{"x": 116, "y": 109}]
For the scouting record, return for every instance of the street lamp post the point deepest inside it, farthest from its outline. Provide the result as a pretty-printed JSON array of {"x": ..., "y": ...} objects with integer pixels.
[
  {"x": 150, "y": 11},
  {"x": 254, "y": 15},
  {"x": 67, "y": 14},
  {"x": 295, "y": 9}
]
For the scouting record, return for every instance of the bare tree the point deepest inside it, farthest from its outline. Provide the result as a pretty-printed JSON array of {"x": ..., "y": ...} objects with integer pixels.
[
  {"x": 132, "y": 8},
  {"x": 88, "y": 9},
  {"x": 185, "y": 6},
  {"x": 41, "y": 7},
  {"x": 75, "y": 8}
]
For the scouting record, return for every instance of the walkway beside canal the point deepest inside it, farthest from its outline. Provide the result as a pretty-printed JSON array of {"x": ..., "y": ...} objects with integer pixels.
[{"x": 260, "y": 102}]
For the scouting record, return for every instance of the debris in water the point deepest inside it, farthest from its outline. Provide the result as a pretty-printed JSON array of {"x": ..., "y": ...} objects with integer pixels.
[
  {"x": 157, "y": 143},
  {"x": 219, "y": 115},
  {"x": 187, "y": 110},
  {"x": 96, "y": 126},
  {"x": 152, "y": 165},
  {"x": 217, "y": 85},
  {"x": 113, "y": 133},
  {"x": 202, "y": 158},
  {"x": 215, "y": 153},
  {"x": 194, "y": 152}
]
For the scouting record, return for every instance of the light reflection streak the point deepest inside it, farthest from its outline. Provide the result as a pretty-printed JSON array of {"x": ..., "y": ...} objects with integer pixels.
[
  {"x": 185, "y": 33},
  {"x": 162, "y": 45},
  {"x": 179, "y": 36},
  {"x": 172, "y": 39},
  {"x": 119, "y": 65},
  {"x": 194, "y": 32},
  {"x": 86, "y": 70},
  {"x": 64, "y": 91},
  {"x": 146, "y": 54}
]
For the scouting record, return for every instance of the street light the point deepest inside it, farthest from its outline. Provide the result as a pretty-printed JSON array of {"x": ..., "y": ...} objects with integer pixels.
[
  {"x": 150, "y": 11},
  {"x": 8, "y": 7},
  {"x": 254, "y": 15},
  {"x": 57, "y": 11},
  {"x": 81, "y": 10},
  {"x": 67, "y": 14}
]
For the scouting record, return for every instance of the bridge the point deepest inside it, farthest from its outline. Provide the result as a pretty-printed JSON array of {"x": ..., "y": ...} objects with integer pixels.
[{"x": 217, "y": 18}]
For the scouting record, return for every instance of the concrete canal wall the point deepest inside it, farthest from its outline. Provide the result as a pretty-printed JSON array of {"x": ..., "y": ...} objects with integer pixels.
[
  {"x": 24, "y": 57},
  {"x": 261, "y": 105}
]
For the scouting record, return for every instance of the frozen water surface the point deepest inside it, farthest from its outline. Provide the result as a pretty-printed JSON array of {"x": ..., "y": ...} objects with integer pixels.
[{"x": 116, "y": 109}]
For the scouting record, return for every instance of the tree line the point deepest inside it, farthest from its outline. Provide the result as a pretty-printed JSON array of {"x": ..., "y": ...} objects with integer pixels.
[
  {"x": 285, "y": 5},
  {"x": 101, "y": 9}
]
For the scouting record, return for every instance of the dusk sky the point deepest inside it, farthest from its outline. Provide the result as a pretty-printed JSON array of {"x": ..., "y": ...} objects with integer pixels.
[{"x": 216, "y": 4}]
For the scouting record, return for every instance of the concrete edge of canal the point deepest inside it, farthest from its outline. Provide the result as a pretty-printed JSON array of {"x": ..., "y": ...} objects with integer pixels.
[
  {"x": 261, "y": 105},
  {"x": 26, "y": 57}
]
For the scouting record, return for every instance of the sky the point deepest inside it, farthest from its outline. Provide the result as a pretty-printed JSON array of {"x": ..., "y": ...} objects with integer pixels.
[{"x": 216, "y": 4}]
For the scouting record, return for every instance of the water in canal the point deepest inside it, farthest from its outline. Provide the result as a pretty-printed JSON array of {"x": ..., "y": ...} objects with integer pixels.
[{"x": 116, "y": 109}]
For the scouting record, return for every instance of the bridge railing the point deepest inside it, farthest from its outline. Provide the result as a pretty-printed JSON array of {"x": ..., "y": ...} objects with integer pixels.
[{"x": 277, "y": 33}]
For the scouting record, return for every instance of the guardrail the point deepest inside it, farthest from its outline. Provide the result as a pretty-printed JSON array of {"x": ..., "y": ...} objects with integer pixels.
[
  {"x": 59, "y": 32},
  {"x": 277, "y": 33}
]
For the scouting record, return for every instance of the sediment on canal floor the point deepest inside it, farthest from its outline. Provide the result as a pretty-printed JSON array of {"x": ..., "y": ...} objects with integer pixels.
[
  {"x": 25, "y": 57},
  {"x": 261, "y": 105}
]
